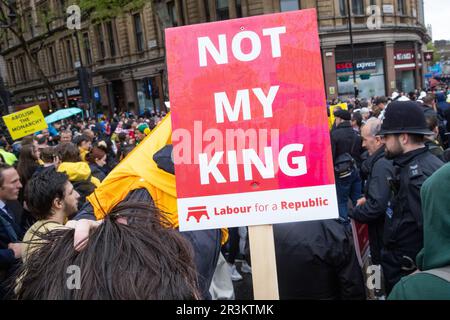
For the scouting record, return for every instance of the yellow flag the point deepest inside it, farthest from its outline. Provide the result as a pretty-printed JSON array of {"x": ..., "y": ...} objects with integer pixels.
[
  {"x": 333, "y": 108},
  {"x": 138, "y": 170}
]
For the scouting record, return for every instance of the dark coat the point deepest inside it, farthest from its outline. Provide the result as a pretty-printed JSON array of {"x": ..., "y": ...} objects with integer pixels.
[
  {"x": 317, "y": 260},
  {"x": 97, "y": 172},
  {"x": 345, "y": 140},
  {"x": 376, "y": 191},
  {"x": 403, "y": 229},
  {"x": 7, "y": 260},
  {"x": 427, "y": 110}
]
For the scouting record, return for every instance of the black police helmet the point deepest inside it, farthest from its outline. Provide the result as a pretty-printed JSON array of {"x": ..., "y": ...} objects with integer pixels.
[{"x": 404, "y": 117}]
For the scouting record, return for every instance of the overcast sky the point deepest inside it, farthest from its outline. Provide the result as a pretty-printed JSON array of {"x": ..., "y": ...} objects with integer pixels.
[{"x": 437, "y": 13}]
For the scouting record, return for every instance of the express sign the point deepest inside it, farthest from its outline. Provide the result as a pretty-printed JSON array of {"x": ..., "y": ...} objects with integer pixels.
[
  {"x": 359, "y": 66},
  {"x": 250, "y": 133}
]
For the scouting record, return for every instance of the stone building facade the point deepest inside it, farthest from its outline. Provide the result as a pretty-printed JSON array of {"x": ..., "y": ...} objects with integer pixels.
[{"x": 126, "y": 57}]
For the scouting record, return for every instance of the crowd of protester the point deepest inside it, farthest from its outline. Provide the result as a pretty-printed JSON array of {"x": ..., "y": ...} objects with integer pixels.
[{"x": 389, "y": 157}]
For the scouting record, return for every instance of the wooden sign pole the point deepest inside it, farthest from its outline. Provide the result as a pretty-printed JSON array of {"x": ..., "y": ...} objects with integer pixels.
[{"x": 264, "y": 268}]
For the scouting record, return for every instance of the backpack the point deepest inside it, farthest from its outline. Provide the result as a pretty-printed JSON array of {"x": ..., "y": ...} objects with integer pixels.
[{"x": 344, "y": 165}]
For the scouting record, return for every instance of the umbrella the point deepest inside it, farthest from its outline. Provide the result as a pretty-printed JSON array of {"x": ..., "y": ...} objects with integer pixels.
[{"x": 62, "y": 114}]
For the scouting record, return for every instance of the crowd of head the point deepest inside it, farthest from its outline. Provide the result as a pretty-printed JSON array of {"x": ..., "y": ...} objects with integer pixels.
[
  {"x": 44, "y": 181},
  {"x": 384, "y": 149},
  {"x": 433, "y": 102}
]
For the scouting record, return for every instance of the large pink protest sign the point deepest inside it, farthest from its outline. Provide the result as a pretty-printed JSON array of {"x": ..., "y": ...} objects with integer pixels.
[{"x": 250, "y": 128}]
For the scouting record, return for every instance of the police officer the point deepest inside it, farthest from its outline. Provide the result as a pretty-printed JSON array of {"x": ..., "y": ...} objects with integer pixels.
[{"x": 403, "y": 131}]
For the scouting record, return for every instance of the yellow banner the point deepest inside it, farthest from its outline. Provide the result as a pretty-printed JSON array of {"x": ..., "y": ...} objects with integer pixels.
[
  {"x": 333, "y": 108},
  {"x": 25, "y": 122}
]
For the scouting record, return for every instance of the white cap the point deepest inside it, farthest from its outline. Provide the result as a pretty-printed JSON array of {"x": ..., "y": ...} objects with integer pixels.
[
  {"x": 394, "y": 95},
  {"x": 422, "y": 94},
  {"x": 403, "y": 98},
  {"x": 365, "y": 110}
]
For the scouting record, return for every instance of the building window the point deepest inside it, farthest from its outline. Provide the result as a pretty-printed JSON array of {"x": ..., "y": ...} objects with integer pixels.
[
  {"x": 222, "y": 11},
  {"x": 208, "y": 15},
  {"x": 62, "y": 7},
  {"x": 101, "y": 41},
  {"x": 35, "y": 58},
  {"x": 30, "y": 23},
  {"x": 69, "y": 54},
  {"x": 23, "y": 70},
  {"x": 172, "y": 13},
  {"x": 238, "y": 9},
  {"x": 51, "y": 56},
  {"x": 87, "y": 48},
  {"x": 358, "y": 7},
  {"x": 373, "y": 2},
  {"x": 401, "y": 7},
  {"x": 12, "y": 72},
  {"x": 343, "y": 7},
  {"x": 289, "y": 5},
  {"x": 138, "y": 32},
  {"x": 112, "y": 44}
]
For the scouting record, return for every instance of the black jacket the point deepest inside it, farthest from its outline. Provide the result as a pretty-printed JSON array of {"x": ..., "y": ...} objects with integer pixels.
[
  {"x": 8, "y": 262},
  {"x": 317, "y": 260},
  {"x": 435, "y": 148},
  {"x": 427, "y": 110},
  {"x": 345, "y": 140},
  {"x": 376, "y": 191},
  {"x": 97, "y": 172},
  {"x": 403, "y": 227}
]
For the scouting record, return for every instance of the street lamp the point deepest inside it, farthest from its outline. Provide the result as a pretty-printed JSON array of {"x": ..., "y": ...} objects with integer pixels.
[
  {"x": 84, "y": 79},
  {"x": 349, "y": 17}
]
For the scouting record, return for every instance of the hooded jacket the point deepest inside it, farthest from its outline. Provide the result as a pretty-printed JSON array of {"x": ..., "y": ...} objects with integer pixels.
[
  {"x": 78, "y": 171},
  {"x": 436, "y": 250},
  {"x": 80, "y": 176}
]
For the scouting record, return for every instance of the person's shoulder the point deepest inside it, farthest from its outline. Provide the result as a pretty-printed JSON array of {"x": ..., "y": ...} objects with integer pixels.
[
  {"x": 421, "y": 286},
  {"x": 383, "y": 165},
  {"x": 42, "y": 226},
  {"x": 429, "y": 160}
]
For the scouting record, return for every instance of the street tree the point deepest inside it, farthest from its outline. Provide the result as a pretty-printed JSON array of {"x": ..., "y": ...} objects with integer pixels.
[{"x": 15, "y": 22}]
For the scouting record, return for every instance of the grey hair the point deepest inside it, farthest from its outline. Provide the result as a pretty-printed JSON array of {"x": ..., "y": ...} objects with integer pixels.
[{"x": 374, "y": 126}]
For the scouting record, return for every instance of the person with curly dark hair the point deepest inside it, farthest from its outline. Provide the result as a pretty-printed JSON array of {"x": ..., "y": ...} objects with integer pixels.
[{"x": 131, "y": 255}]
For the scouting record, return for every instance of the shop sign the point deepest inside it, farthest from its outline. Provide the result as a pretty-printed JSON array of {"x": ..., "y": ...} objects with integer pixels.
[
  {"x": 28, "y": 99},
  {"x": 73, "y": 92},
  {"x": 404, "y": 59},
  {"x": 428, "y": 56},
  {"x": 345, "y": 67},
  {"x": 404, "y": 56},
  {"x": 96, "y": 94},
  {"x": 42, "y": 97}
]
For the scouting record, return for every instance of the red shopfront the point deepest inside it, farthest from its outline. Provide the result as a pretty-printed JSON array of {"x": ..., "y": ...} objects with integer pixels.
[{"x": 405, "y": 69}]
